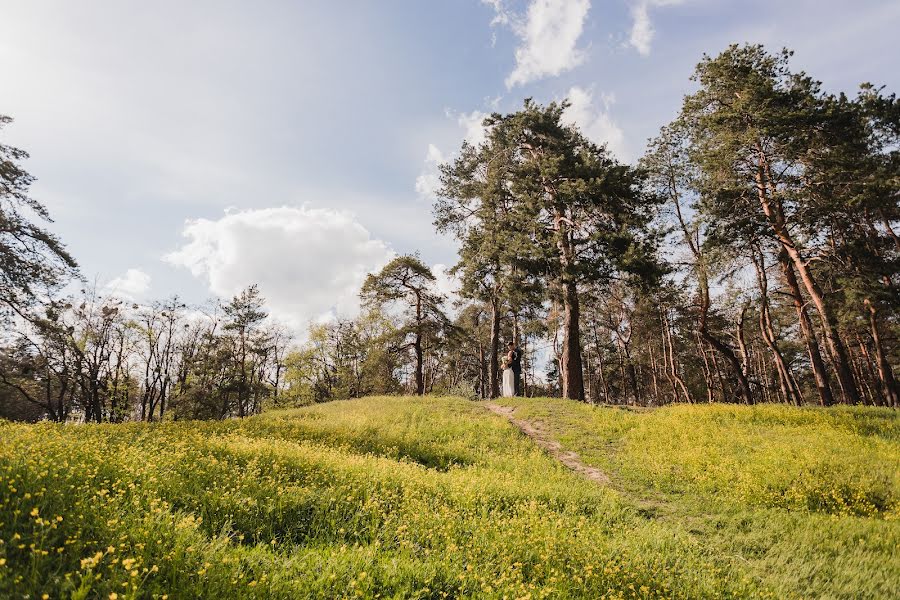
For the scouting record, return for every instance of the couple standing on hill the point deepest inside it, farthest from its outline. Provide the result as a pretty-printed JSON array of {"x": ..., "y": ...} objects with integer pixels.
[{"x": 512, "y": 371}]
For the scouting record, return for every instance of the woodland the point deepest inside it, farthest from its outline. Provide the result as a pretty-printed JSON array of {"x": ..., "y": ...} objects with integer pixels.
[{"x": 750, "y": 256}]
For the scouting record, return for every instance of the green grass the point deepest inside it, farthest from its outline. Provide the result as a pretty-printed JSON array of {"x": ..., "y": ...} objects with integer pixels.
[
  {"x": 436, "y": 497},
  {"x": 807, "y": 500}
]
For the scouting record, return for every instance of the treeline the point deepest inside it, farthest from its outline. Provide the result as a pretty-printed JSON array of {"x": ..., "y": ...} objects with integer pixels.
[
  {"x": 103, "y": 359},
  {"x": 750, "y": 256}
]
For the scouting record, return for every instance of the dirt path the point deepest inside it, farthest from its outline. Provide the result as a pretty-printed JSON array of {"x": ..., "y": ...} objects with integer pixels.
[{"x": 541, "y": 438}]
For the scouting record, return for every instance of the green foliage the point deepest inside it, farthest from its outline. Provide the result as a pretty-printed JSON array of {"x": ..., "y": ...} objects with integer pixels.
[
  {"x": 344, "y": 359},
  {"x": 33, "y": 260},
  {"x": 407, "y": 285}
]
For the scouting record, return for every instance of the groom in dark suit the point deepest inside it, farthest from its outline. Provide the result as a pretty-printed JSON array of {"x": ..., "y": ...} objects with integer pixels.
[{"x": 515, "y": 364}]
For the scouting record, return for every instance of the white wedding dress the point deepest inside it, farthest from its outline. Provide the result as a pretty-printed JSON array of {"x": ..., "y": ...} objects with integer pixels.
[{"x": 509, "y": 383}]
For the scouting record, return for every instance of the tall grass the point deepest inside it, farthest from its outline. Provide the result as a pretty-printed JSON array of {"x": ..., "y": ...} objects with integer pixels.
[
  {"x": 807, "y": 499},
  {"x": 380, "y": 497}
]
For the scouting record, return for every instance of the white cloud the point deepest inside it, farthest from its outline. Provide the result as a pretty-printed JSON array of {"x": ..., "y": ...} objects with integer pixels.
[
  {"x": 471, "y": 123},
  {"x": 642, "y": 31},
  {"x": 429, "y": 181},
  {"x": 448, "y": 285},
  {"x": 501, "y": 15},
  {"x": 595, "y": 121},
  {"x": 133, "y": 284},
  {"x": 549, "y": 39},
  {"x": 309, "y": 263}
]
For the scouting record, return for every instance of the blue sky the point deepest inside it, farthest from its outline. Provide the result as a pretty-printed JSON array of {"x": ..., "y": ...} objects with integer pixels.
[{"x": 197, "y": 147}]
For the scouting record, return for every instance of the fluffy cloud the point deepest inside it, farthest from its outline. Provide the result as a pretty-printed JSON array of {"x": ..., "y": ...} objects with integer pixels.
[
  {"x": 309, "y": 263},
  {"x": 429, "y": 181},
  {"x": 447, "y": 284},
  {"x": 642, "y": 31},
  {"x": 130, "y": 286},
  {"x": 472, "y": 126},
  {"x": 549, "y": 38},
  {"x": 595, "y": 121},
  {"x": 501, "y": 15}
]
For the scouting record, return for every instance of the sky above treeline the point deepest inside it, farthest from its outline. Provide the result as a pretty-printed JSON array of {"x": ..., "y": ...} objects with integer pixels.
[{"x": 198, "y": 147}]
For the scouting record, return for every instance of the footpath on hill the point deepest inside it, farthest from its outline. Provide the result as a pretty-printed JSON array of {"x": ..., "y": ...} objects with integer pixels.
[
  {"x": 803, "y": 501},
  {"x": 541, "y": 437}
]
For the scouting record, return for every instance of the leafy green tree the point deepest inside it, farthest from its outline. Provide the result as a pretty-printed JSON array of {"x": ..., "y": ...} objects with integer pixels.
[
  {"x": 859, "y": 178},
  {"x": 407, "y": 284},
  {"x": 32, "y": 260},
  {"x": 496, "y": 251},
  {"x": 586, "y": 212},
  {"x": 244, "y": 315},
  {"x": 674, "y": 178},
  {"x": 753, "y": 123}
]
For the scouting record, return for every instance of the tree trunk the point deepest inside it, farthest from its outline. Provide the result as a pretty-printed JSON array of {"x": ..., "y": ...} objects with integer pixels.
[
  {"x": 723, "y": 349},
  {"x": 746, "y": 393},
  {"x": 417, "y": 349},
  {"x": 786, "y": 382},
  {"x": 673, "y": 365},
  {"x": 654, "y": 366},
  {"x": 482, "y": 371},
  {"x": 820, "y": 372},
  {"x": 890, "y": 230},
  {"x": 707, "y": 371},
  {"x": 865, "y": 373},
  {"x": 571, "y": 372},
  {"x": 494, "y": 367},
  {"x": 774, "y": 212},
  {"x": 885, "y": 373}
]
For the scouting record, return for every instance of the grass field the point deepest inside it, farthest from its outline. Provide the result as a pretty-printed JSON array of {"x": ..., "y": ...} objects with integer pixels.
[{"x": 437, "y": 497}]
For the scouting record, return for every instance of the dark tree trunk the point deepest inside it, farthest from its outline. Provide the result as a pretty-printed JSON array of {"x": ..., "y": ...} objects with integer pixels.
[
  {"x": 571, "y": 372},
  {"x": 493, "y": 360},
  {"x": 417, "y": 350}
]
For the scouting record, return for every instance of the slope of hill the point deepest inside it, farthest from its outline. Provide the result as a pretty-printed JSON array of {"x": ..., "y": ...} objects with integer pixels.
[{"x": 438, "y": 497}]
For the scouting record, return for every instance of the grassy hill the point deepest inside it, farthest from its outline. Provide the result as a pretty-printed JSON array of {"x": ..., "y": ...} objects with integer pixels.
[{"x": 438, "y": 497}]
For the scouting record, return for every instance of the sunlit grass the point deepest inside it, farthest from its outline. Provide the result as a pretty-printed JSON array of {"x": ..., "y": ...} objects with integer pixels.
[
  {"x": 806, "y": 499},
  {"x": 380, "y": 497}
]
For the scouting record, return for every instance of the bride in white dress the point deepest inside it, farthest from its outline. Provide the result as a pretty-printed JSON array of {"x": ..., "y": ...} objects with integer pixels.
[{"x": 509, "y": 383}]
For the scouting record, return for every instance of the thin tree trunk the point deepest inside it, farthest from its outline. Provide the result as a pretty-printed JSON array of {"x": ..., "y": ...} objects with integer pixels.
[
  {"x": 667, "y": 371},
  {"x": 744, "y": 382},
  {"x": 890, "y": 230},
  {"x": 820, "y": 371},
  {"x": 862, "y": 370},
  {"x": 674, "y": 365},
  {"x": 786, "y": 382},
  {"x": 885, "y": 373},
  {"x": 707, "y": 371},
  {"x": 775, "y": 214},
  {"x": 417, "y": 348},
  {"x": 653, "y": 374}
]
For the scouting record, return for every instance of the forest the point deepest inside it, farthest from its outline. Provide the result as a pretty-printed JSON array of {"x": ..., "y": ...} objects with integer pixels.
[{"x": 750, "y": 256}]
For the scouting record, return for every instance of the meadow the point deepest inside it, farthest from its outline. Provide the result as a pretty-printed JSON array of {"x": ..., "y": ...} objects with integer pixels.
[{"x": 439, "y": 498}]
